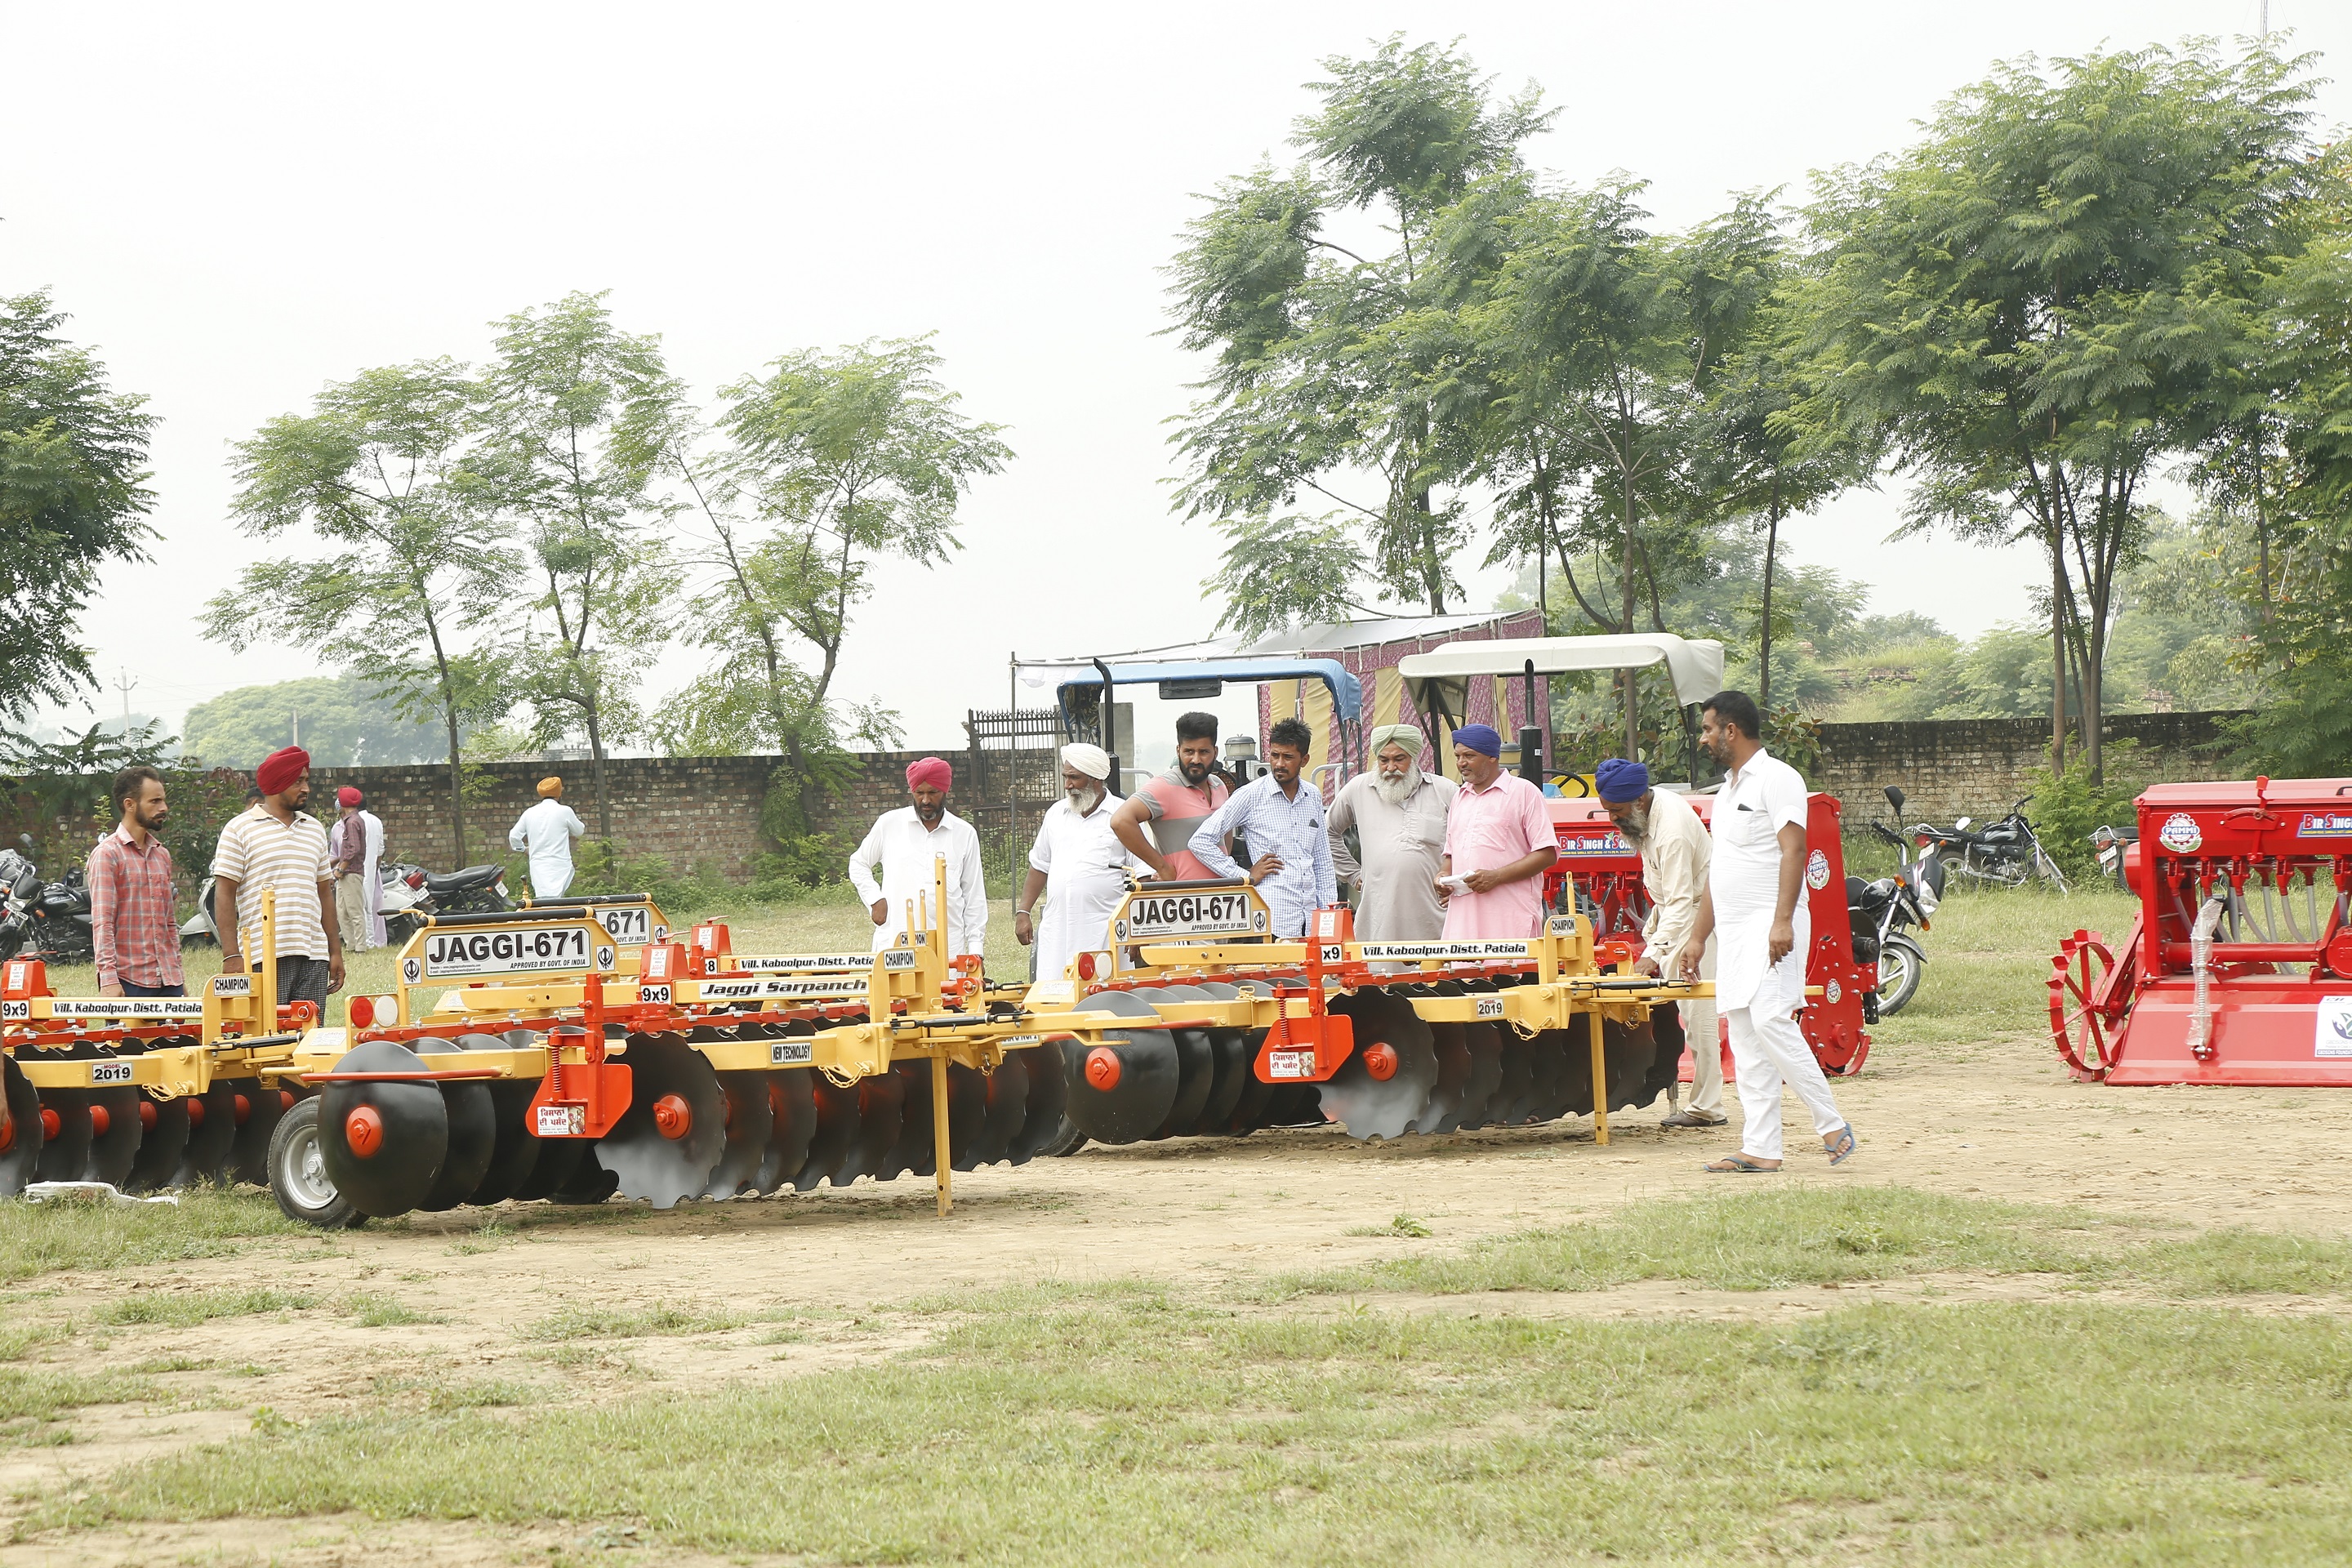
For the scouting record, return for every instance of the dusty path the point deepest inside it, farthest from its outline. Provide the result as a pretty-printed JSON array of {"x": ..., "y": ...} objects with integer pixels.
[{"x": 802, "y": 1283}]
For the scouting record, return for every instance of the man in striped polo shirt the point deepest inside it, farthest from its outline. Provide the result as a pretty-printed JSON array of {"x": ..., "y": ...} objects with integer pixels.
[
  {"x": 1175, "y": 803},
  {"x": 276, "y": 847}
]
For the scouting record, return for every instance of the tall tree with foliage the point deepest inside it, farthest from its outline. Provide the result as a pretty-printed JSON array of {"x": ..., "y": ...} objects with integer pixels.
[
  {"x": 73, "y": 497},
  {"x": 833, "y": 464},
  {"x": 2033, "y": 304},
  {"x": 563, "y": 392},
  {"x": 1320, "y": 355},
  {"x": 376, "y": 473}
]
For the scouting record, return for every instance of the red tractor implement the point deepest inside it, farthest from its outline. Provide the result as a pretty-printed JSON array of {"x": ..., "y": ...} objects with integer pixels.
[
  {"x": 2237, "y": 967},
  {"x": 1607, "y": 872}
]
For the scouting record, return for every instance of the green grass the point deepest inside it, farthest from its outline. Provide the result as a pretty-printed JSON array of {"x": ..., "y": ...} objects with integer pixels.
[
  {"x": 616, "y": 1323},
  {"x": 1819, "y": 1235},
  {"x": 37, "y": 1238},
  {"x": 42, "y": 1396},
  {"x": 179, "y": 1310},
  {"x": 2084, "y": 1434},
  {"x": 380, "y": 1312}
]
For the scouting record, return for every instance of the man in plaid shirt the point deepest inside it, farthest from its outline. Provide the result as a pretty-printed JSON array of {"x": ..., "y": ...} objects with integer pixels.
[{"x": 130, "y": 917}]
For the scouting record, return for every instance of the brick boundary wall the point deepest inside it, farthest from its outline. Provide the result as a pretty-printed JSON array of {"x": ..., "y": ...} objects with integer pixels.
[{"x": 1975, "y": 767}]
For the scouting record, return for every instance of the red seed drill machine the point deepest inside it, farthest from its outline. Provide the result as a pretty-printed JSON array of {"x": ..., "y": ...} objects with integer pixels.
[{"x": 2237, "y": 967}]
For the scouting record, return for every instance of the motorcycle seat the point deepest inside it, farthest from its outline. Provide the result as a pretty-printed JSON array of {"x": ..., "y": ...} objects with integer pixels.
[{"x": 462, "y": 881}]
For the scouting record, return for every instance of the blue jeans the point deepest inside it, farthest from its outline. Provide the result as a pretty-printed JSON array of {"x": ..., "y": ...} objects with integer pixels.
[{"x": 132, "y": 988}]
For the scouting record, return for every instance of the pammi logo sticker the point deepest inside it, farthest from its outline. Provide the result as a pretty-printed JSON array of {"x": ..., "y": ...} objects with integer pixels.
[
  {"x": 2331, "y": 1028},
  {"x": 1817, "y": 870},
  {"x": 2180, "y": 834}
]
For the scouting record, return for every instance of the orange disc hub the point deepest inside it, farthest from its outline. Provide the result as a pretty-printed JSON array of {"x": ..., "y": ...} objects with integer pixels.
[
  {"x": 673, "y": 1117},
  {"x": 1103, "y": 1068},
  {"x": 1381, "y": 1060},
  {"x": 364, "y": 1131}
]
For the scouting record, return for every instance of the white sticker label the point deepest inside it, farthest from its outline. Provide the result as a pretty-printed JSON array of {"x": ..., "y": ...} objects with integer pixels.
[
  {"x": 563, "y": 1122},
  {"x": 1490, "y": 1006},
  {"x": 791, "y": 1053},
  {"x": 1290, "y": 1064},
  {"x": 774, "y": 987},
  {"x": 412, "y": 970},
  {"x": 525, "y": 949},
  {"x": 110, "y": 1072},
  {"x": 1817, "y": 870},
  {"x": 899, "y": 958},
  {"x": 801, "y": 962},
  {"x": 1562, "y": 925},
  {"x": 1015, "y": 1042},
  {"x": 2331, "y": 1027},
  {"x": 127, "y": 1007},
  {"x": 1150, "y": 916},
  {"x": 232, "y": 984},
  {"x": 1333, "y": 952},
  {"x": 631, "y": 925},
  {"x": 2180, "y": 834},
  {"x": 15, "y": 1012},
  {"x": 657, "y": 995},
  {"x": 1411, "y": 951}
]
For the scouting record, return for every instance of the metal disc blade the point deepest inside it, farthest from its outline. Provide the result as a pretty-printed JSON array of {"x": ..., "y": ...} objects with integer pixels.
[
  {"x": 1196, "y": 1065},
  {"x": 836, "y": 1134},
  {"x": 256, "y": 1110},
  {"x": 791, "y": 1105},
  {"x": 473, "y": 1143},
  {"x": 646, "y": 1163},
  {"x": 881, "y": 1115},
  {"x": 211, "y": 1133},
  {"x": 966, "y": 1113},
  {"x": 1143, "y": 1090},
  {"x": 1547, "y": 1065},
  {"x": 1514, "y": 1097},
  {"x": 750, "y": 1120},
  {"x": 65, "y": 1152},
  {"x": 1485, "y": 1044},
  {"x": 1235, "y": 1063},
  {"x": 161, "y": 1145},
  {"x": 1045, "y": 1125},
  {"x": 1294, "y": 1105},
  {"x": 1005, "y": 1105},
  {"x": 516, "y": 1153},
  {"x": 413, "y": 1120},
  {"x": 22, "y": 1155},
  {"x": 114, "y": 1151},
  {"x": 1451, "y": 1093},
  {"x": 589, "y": 1183},
  {"x": 1377, "y": 1107},
  {"x": 912, "y": 1152},
  {"x": 1671, "y": 1040},
  {"x": 1630, "y": 1051}
]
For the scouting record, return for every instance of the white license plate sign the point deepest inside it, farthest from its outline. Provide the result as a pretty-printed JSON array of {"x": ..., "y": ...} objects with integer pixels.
[
  {"x": 791, "y": 1053},
  {"x": 563, "y": 1120},
  {"x": 631, "y": 925},
  {"x": 1290, "y": 1064},
  {"x": 1150, "y": 916},
  {"x": 516, "y": 950}
]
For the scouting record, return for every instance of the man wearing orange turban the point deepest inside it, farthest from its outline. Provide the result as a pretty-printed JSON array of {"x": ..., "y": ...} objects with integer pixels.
[
  {"x": 906, "y": 843},
  {"x": 545, "y": 833},
  {"x": 276, "y": 847}
]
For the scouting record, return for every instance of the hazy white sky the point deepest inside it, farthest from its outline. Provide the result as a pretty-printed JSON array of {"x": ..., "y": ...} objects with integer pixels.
[{"x": 240, "y": 202}]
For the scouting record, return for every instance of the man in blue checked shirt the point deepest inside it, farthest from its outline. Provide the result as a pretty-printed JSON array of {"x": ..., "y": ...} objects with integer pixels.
[{"x": 1283, "y": 820}]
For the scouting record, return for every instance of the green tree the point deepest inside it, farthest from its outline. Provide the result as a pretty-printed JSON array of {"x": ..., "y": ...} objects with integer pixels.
[
  {"x": 73, "y": 497},
  {"x": 376, "y": 473},
  {"x": 834, "y": 463},
  {"x": 1322, "y": 356},
  {"x": 341, "y": 721},
  {"x": 559, "y": 462},
  {"x": 2031, "y": 306}
]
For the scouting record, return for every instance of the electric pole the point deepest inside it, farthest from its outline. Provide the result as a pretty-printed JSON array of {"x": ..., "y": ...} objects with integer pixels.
[{"x": 123, "y": 683}]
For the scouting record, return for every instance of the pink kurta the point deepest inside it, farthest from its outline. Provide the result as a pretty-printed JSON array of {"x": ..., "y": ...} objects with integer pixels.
[{"x": 1486, "y": 829}]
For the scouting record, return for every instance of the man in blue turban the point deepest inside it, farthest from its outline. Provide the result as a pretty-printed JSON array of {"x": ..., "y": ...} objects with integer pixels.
[
  {"x": 1499, "y": 841},
  {"x": 1675, "y": 850}
]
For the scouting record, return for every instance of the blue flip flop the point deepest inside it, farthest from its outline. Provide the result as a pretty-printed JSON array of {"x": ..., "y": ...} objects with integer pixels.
[
  {"x": 1840, "y": 1154},
  {"x": 1739, "y": 1165}
]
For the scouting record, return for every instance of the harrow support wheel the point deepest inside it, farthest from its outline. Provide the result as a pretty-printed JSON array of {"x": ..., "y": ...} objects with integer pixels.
[
  {"x": 297, "y": 1172},
  {"x": 2079, "y": 1025},
  {"x": 163, "y": 1144},
  {"x": 20, "y": 1128}
]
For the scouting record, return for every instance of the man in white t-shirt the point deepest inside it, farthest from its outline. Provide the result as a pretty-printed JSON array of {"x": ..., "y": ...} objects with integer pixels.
[
  {"x": 907, "y": 843},
  {"x": 1755, "y": 908}
]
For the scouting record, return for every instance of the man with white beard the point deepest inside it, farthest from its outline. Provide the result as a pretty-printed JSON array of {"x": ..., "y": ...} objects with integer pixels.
[
  {"x": 1077, "y": 863},
  {"x": 1675, "y": 850},
  {"x": 1399, "y": 815}
]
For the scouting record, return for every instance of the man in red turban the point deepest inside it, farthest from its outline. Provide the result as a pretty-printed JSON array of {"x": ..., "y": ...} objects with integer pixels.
[
  {"x": 906, "y": 844},
  {"x": 274, "y": 846}
]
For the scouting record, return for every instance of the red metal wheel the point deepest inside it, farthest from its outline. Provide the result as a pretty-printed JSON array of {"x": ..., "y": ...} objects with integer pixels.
[{"x": 2080, "y": 1025}]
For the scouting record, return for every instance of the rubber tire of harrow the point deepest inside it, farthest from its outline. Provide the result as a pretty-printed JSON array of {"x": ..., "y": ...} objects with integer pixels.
[
  {"x": 22, "y": 1155},
  {"x": 298, "y": 1193}
]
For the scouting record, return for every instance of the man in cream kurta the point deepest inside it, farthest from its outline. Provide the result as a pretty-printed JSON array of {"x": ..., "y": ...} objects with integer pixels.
[
  {"x": 1675, "y": 850},
  {"x": 1755, "y": 906},
  {"x": 1077, "y": 864},
  {"x": 1399, "y": 815}
]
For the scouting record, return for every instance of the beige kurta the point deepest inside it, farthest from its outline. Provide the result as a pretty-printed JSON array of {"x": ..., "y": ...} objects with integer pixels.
[
  {"x": 1404, "y": 845},
  {"x": 1675, "y": 855}
]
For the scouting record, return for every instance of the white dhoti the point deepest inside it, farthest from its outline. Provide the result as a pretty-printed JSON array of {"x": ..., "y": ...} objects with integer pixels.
[
  {"x": 1704, "y": 1038},
  {"x": 1078, "y": 908},
  {"x": 1760, "y": 1002}
]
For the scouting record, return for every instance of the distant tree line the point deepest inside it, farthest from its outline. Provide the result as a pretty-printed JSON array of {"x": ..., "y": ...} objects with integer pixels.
[{"x": 2083, "y": 274}]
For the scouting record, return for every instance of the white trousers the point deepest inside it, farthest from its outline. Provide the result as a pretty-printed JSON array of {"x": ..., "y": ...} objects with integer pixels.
[
  {"x": 1768, "y": 1050},
  {"x": 1705, "y": 1042}
]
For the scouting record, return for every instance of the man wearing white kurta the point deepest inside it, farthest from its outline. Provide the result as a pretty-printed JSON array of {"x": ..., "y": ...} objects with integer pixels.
[
  {"x": 1077, "y": 863},
  {"x": 1755, "y": 908},
  {"x": 1675, "y": 850},
  {"x": 907, "y": 843},
  {"x": 545, "y": 833}
]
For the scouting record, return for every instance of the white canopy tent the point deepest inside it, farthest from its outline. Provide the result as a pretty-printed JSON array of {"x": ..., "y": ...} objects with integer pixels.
[{"x": 1695, "y": 665}]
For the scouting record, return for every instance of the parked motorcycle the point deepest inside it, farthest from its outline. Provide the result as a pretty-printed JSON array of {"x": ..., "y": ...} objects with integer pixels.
[
  {"x": 53, "y": 917},
  {"x": 2110, "y": 842},
  {"x": 20, "y": 889},
  {"x": 405, "y": 895},
  {"x": 2005, "y": 854},
  {"x": 1880, "y": 912}
]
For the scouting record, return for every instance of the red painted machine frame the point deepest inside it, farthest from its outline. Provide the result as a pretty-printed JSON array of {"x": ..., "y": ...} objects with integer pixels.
[
  {"x": 2277, "y": 984},
  {"x": 1608, "y": 871}
]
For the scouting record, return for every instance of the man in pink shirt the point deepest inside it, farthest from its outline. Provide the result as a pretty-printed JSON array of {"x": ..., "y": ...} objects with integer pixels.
[{"x": 1498, "y": 843}]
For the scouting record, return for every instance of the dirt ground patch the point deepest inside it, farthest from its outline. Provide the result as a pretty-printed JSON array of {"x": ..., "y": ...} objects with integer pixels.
[{"x": 628, "y": 1303}]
